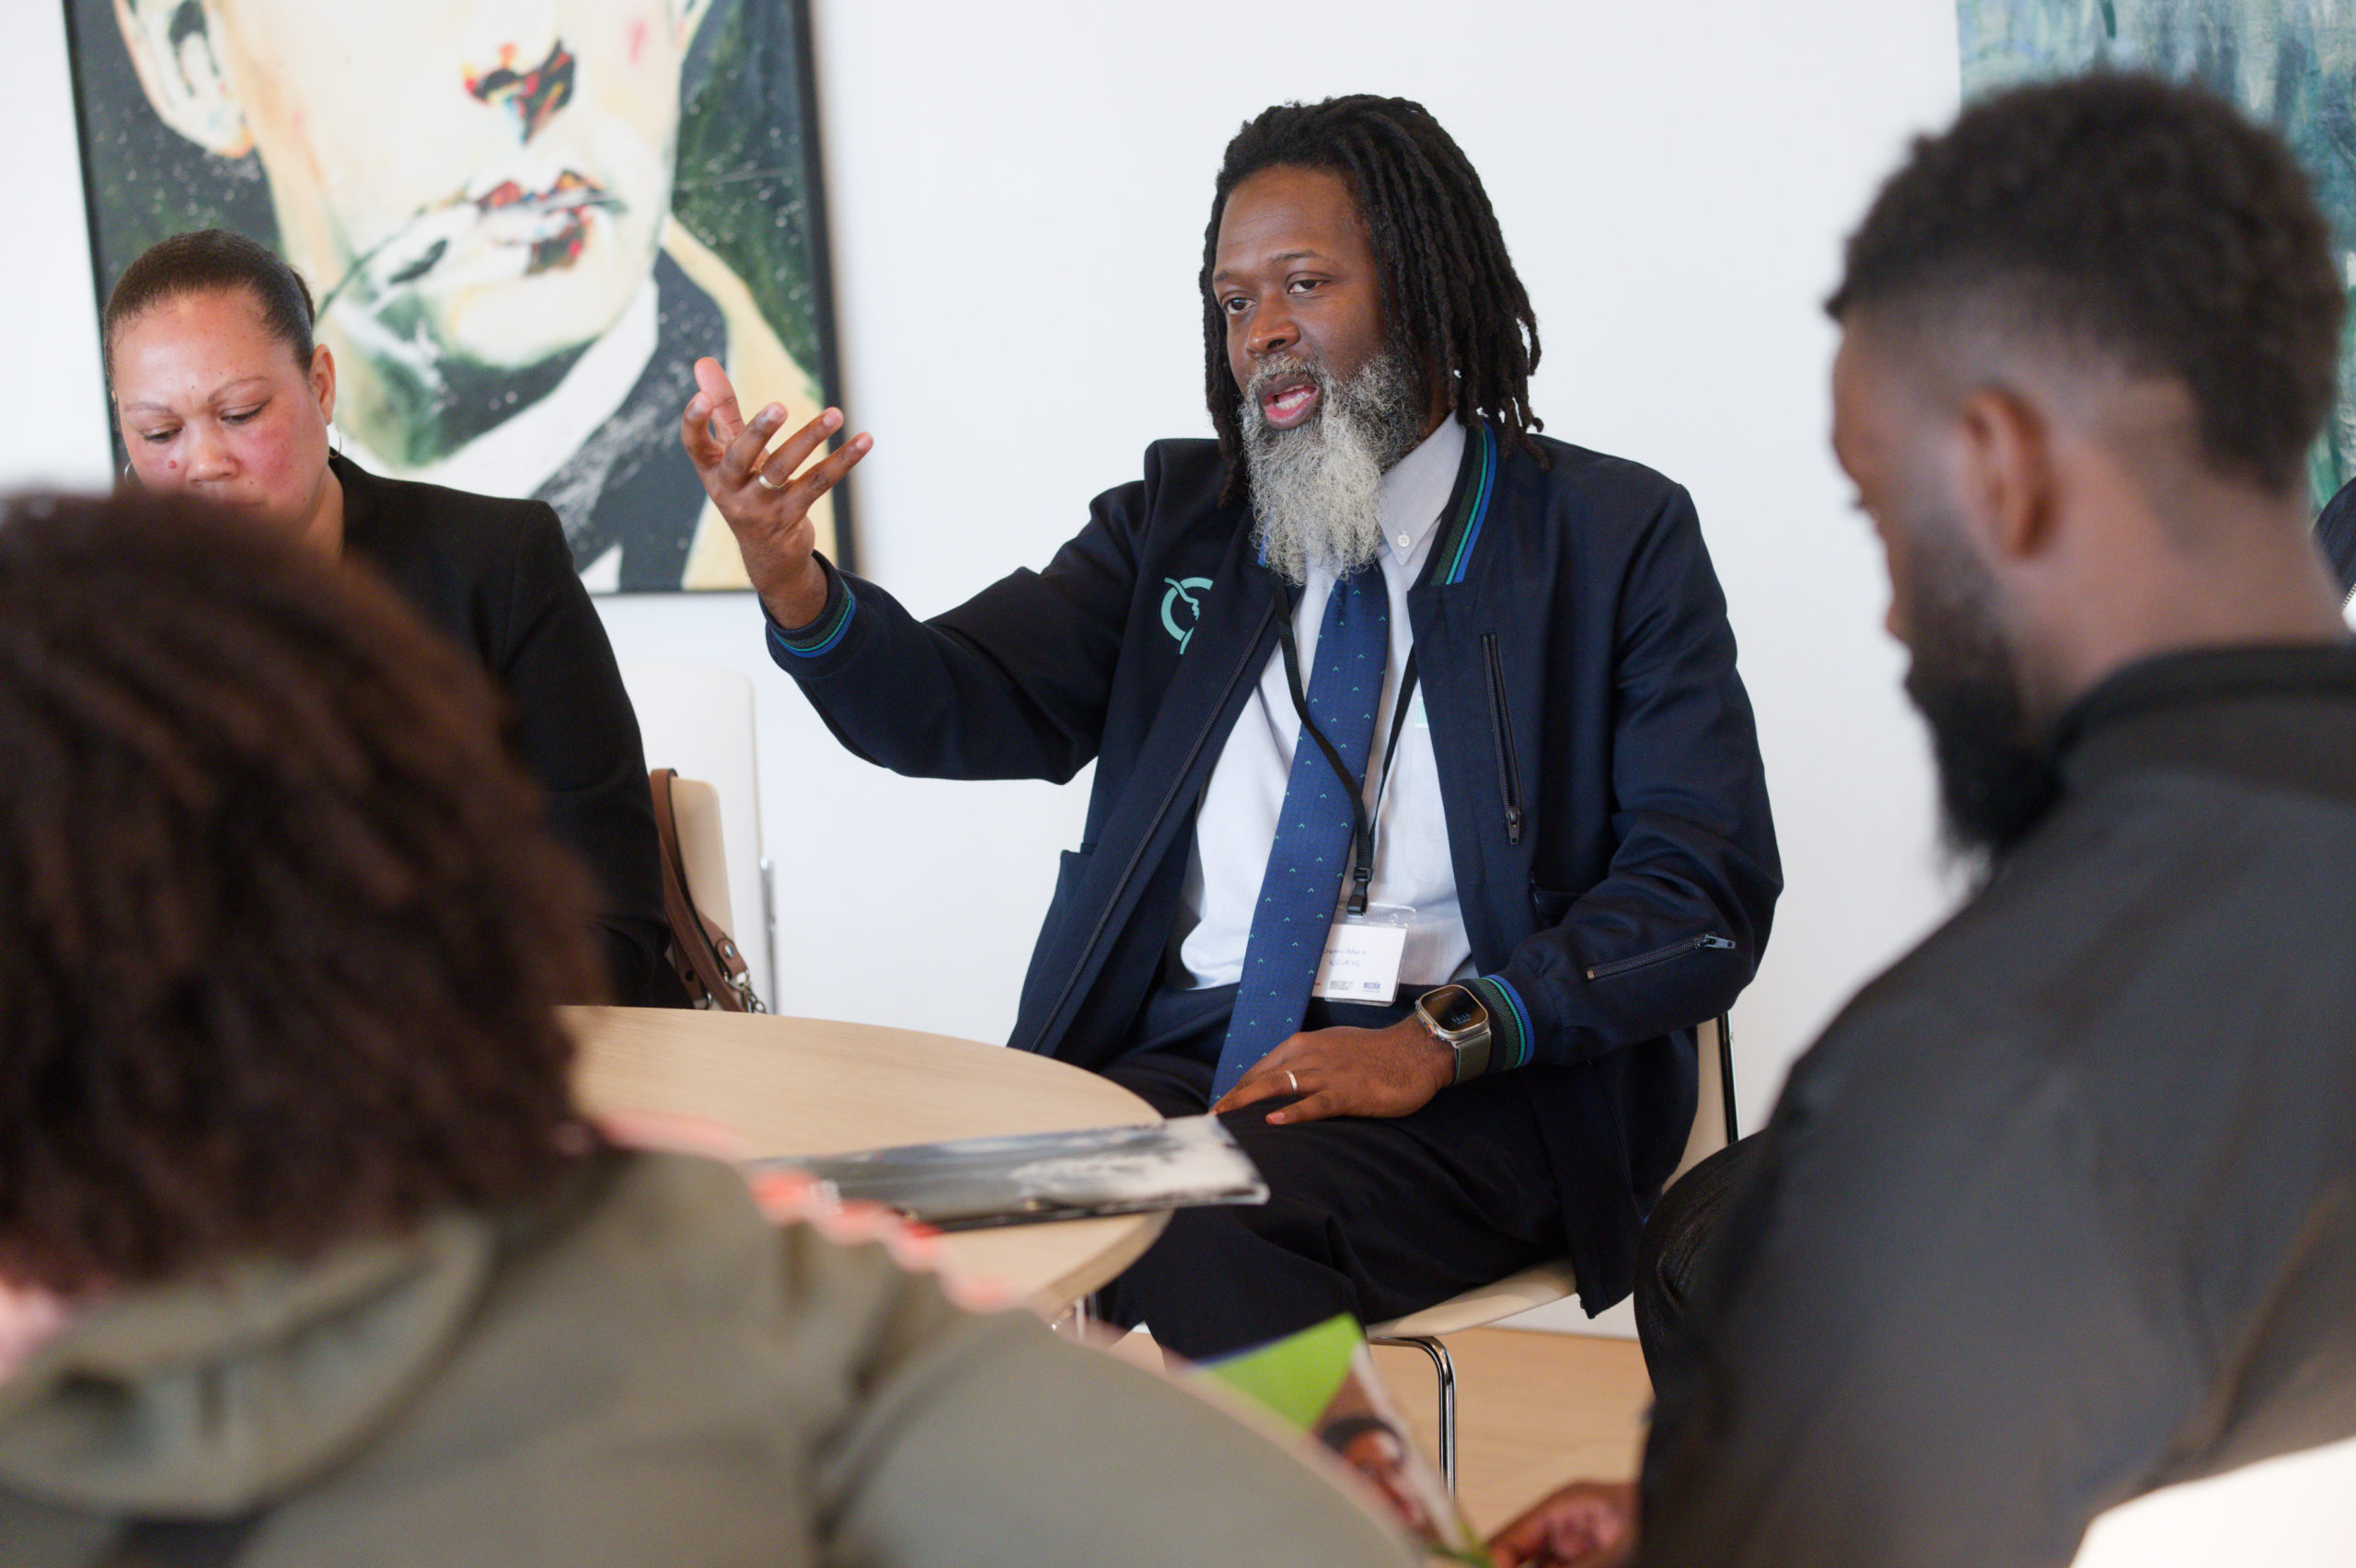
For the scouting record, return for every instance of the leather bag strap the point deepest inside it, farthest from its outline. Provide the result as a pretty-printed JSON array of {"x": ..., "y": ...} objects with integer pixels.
[{"x": 706, "y": 958}]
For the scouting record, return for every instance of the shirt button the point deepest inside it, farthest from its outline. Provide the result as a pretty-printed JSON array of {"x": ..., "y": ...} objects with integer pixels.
[{"x": 1403, "y": 541}]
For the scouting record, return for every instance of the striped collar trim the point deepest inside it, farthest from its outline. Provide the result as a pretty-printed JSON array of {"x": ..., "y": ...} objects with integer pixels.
[{"x": 1453, "y": 553}]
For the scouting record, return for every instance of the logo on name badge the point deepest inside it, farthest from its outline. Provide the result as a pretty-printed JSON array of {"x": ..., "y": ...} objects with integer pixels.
[{"x": 1183, "y": 590}]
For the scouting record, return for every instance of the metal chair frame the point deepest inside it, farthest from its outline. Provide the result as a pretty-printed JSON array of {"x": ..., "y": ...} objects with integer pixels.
[{"x": 1444, "y": 1367}]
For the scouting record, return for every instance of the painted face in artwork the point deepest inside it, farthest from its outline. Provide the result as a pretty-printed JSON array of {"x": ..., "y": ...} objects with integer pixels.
[{"x": 475, "y": 180}]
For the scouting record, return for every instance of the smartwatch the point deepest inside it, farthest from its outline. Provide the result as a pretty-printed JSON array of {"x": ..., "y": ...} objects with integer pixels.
[{"x": 1459, "y": 1021}]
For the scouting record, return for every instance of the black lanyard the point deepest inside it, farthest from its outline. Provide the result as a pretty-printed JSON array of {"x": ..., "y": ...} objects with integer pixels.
[{"x": 1362, "y": 833}]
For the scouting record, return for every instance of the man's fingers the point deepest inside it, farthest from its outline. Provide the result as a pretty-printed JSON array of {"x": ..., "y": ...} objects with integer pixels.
[
  {"x": 1314, "y": 1107},
  {"x": 820, "y": 478},
  {"x": 1522, "y": 1543},
  {"x": 1275, "y": 1076},
  {"x": 695, "y": 434},
  {"x": 750, "y": 449},
  {"x": 795, "y": 449},
  {"x": 1255, "y": 1085},
  {"x": 720, "y": 395},
  {"x": 1582, "y": 1522}
]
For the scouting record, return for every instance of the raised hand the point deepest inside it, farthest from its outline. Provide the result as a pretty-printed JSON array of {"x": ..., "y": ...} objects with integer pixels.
[{"x": 756, "y": 490}]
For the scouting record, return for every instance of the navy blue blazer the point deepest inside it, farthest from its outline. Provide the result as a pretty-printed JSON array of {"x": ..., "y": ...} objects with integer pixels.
[{"x": 1599, "y": 767}]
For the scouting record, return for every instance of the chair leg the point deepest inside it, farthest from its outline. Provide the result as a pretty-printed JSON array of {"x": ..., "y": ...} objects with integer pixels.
[
  {"x": 1446, "y": 1368},
  {"x": 1079, "y": 1320}
]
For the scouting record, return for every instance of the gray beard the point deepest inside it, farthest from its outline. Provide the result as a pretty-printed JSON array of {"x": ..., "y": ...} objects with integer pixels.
[{"x": 1317, "y": 489}]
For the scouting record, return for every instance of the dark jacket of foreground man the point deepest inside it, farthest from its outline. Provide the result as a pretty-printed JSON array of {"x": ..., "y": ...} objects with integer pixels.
[
  {"x": 642, "y": 1372},
  {"x": 2063, "y": 1208}
]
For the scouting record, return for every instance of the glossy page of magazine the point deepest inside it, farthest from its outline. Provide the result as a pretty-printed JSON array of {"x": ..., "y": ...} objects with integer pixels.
[
  {"x": 1035, "y": 1177},
  {"x": 1321, "y": 1383}
]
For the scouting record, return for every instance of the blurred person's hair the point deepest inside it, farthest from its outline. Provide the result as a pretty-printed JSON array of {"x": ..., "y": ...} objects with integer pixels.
[
  {"x": 281, "y": 935},
  {"x": 2139, "y": 223},
  {"x": 1452, "y": 305},
  {"x": 201, "y": 263}
]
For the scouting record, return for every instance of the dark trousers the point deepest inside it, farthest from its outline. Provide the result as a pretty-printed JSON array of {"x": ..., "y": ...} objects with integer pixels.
[
  {"x": 1374, "y": 1217},
  {"x": 1674, "y": 1256}
]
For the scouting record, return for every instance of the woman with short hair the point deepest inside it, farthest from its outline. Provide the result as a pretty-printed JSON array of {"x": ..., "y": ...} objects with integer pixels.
[{"x": 219, "y": 390}]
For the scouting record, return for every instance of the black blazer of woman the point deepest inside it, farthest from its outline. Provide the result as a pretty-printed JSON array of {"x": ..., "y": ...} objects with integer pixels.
[{"x": 497, "y": 576}]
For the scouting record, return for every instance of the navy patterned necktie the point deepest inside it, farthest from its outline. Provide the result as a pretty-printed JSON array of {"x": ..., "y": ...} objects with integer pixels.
[{"x": 1311, "y": 855}]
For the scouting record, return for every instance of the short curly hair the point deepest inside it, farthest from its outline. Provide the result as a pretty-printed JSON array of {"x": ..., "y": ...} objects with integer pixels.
[
  {"x": 2144, "y": 221},
  {"x": 281, "y": 936}
]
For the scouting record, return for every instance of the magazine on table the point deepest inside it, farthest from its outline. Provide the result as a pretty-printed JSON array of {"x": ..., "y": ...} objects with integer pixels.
[
  {"x": 1321, "y": 1382},
  {"x": 1035, "y": 1177}
]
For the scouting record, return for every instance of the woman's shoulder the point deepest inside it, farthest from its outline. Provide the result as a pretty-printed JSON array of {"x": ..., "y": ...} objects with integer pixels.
[{"x": 391, "y": 521}]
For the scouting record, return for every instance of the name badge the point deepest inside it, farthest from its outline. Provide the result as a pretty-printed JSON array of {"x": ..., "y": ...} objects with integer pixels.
[{"x": 1362, "y": 961}]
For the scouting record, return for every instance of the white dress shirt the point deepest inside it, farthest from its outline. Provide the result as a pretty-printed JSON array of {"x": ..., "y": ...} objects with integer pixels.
[{"x": 1237, "y": 824}]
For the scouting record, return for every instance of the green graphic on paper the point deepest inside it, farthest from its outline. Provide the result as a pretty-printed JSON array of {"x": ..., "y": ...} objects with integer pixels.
[{"x": 1297, "y": 1376}]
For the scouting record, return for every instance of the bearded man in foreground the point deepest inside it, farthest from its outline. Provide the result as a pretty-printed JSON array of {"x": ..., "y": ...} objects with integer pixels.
[
  {"x": 2061, "y": 1209},
  {"x": 1378, "y": 586}
]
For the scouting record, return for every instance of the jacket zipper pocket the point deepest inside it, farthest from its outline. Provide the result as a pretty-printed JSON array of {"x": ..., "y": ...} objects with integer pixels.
[
  {"x": 1658, "y": 955},
  {"x": 1501, "y": 731}
]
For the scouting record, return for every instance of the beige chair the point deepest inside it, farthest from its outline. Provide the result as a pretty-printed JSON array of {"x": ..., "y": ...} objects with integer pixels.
[
  {"x": 695, "y": 806},
  {"x": 1713, "y": 1128}
]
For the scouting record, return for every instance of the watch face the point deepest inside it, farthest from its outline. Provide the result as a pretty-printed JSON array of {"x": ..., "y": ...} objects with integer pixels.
[{"x": 1456, "y": 1009}]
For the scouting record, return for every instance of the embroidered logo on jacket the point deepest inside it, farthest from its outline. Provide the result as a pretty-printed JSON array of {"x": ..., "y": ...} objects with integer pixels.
[{"x": 1183, "y": 589}]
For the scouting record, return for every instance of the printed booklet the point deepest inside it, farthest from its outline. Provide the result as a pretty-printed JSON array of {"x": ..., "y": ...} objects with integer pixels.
[
  {"x": 972, "y": 1182},
  {"x": 1321, "y": 1382}
]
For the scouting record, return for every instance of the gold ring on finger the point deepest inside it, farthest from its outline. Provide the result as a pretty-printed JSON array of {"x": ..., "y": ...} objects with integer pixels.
[
  {"x": 1293, "y": 1079},
  {"x": 761, "y": 477}
]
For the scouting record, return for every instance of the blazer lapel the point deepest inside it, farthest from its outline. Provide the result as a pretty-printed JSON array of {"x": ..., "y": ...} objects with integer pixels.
[
  {"x": 1446, "y": 613},
  {"x": 1233, "y": 635}
]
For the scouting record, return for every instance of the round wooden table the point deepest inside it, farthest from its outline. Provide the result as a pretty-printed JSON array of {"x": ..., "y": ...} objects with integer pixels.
[{"x": 811, "y": 1086}]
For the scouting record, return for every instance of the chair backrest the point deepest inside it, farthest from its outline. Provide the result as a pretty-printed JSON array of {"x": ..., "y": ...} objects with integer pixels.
[
  {"x": 2297, "y": 1511},
  {"x": 1709, "y": 1134},
  {"x": 703, "y": 850},
  {"x": 698, "y": 718}
]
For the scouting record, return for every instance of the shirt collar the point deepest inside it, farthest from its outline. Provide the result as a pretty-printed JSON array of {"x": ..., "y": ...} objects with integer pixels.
[
  {"x": 1414, "y": 492},
  {"x": 2171, "y": 686}
]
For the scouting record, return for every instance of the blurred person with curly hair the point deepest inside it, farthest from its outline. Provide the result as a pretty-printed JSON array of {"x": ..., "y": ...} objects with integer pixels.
[{"x": 305, "y": 1253}]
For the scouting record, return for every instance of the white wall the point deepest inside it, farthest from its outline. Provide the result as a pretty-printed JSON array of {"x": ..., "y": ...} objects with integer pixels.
[
  {"x": 53, "y": 397},
  {"x": 1019, "y": 192}
]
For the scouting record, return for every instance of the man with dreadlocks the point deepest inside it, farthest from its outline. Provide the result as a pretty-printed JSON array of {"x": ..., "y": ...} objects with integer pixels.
[{"x": 1428, "y": 818}]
